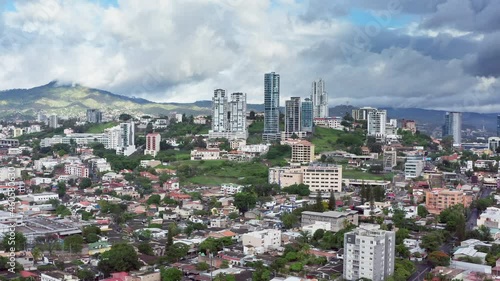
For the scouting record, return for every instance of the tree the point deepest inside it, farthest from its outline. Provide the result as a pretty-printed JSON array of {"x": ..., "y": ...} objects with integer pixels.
[
  {"x": 233, "y": 216},
  {"x": 439, "y": 258},
  {"x": 15, "y": 240},
  {"x": 176, "y": 252},
  {"x": 85, "y": 183},
  {"x": 401, "y": 235},
  {"x": 73, "y": 244},
  {"x": 318, "y": 207},
  {"x": 61, "y": 189},
  {"x": 289, "y": 220},
  {"x": 124, "y": 117},
  {"x": 171, "y": 274},
  {"x": 85, "y": 275},
  {"x": 332, "y": 204},
  {"x": 154, "y": 199},
  {"x": 145, "y": 248},
  {"x": 318, "y": 234},
  {"x": 49, "y": 242},
  {"x": 244, "y": 201},
  {"x": 224, "y": 277},
  {"x": 37, "y": 254},
  {"x": 298, "y": 189},
  {"x": 90, "y": 233},
  {"x": 432, "y": 241},
  {"x": 121, "y": 257},
  {"x": 422, "y": 211},
  {"x": 202, "y": 266}
]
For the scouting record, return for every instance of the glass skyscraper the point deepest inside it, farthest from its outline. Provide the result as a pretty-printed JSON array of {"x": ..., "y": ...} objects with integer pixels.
[
  {"x": 453, "y": 127},
  {"x": 306, "y": 116},
  {"x": 292, "y": 115},
  {"x": 271, "y": 107}
]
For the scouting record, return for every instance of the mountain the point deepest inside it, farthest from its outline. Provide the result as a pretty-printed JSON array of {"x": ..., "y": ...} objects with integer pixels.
[{"x": 73, "y": 100}]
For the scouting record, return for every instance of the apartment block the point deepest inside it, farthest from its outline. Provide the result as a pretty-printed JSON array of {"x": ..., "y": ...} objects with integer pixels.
[
  {"x": 259, "y": 242},
  {"x": 336, "y": 220},
  {"x": 490, "y": 218},
  {"x": 78, "y": 170},
  {"x": 231, "y": 188},
  {"x": 152, "y": 144},
  {"x": 437, "y": 200},
  {"x": 369, "y": 253},
  {"x": 302, "y": 151},
  {"x": 285, "y": 176},
  {"x": 323, "y": 177}
]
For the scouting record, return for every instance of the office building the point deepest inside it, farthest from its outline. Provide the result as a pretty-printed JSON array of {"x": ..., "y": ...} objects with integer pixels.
[
  {"x": 228, "y": 116},
  {"x": 319, "y": 99},
  {"x": 323, "y": 177},
  {"x": 94, "y": 116},
  {"x": 53, "y": 121},
  {"x": 453, "y": 127},
  {"x": 336, "y": 220},
  {"x": 437, "y": 200},
  {"x": 414, "y": 166},
  {"x": 493, "y": 143},
  {"x": 377, "y": 120},
  {"x": 152, "y": 144},
  {"x": 285, "y": 176},
  {"x": 292, "y": 115},
  {"x": 369, "y": 253},
  {"x": 306, "y": 116},
  {"x": 362, "y": 113},
  {"x": 271, "y": 107}
]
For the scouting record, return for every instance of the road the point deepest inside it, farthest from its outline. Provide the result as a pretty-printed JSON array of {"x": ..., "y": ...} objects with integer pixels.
[{"x": 472, "y": 220}]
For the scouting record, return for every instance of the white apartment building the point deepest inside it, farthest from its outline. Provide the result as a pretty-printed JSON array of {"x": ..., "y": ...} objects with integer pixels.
[
  {"x": 493, "y": 143},
  {"x": 336, "y": 220},
  {"x": 329, "y": 122},
  {"x": 362, "y": 113},
  {"x": 205, "y": 154},
  {"x": 376, "y": 124},
  {"x": 285, "y": 176},
  {"x": 152, "y": 144},
  {"x": 369, "y": 253},
  {"x": 42, "y": 197},
  {"x": 414, "y": 167},
  {"x": 100, "y": 164},
  {"x": 259, "y": 242},
  {"x": 490, "y": 218},
  {"x": 228, "y": 117},
  {"x": 78, "y": 170},
  {"x": 10, "y": 218},
  {"x": 6, "y": 173},
  {"x": 231, "y": 188},
  {"x": 311, "y": 229},
  {"x": 323, "y": 177},
  {"x": 319, "y": 98}
]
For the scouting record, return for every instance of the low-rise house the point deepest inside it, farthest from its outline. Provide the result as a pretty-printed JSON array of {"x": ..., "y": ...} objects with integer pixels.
[
  {"x": 259, "y": 242},
  {"x": 98, "y": 247}
]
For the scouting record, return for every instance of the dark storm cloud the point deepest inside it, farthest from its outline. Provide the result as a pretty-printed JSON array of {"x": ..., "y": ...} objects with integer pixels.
[
  {"x": 486, "y": 61},
  {"x": 466, "y": 15}
]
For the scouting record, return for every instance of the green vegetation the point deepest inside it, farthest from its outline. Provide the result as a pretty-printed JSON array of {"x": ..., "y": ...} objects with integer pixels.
[
  {"x": 255, "y": 132},
  {"x": 216, "y": 172},
  {"x": 121, "y": 257},
  {"x": 98, "y": 128},
  {"x": 417, "y": 139},
  {"x": 350, "y": 173},
  {"x": 326, "y": 139},
  {"x": 186, "y": 127},
  {"x": 278, "y": 154}
]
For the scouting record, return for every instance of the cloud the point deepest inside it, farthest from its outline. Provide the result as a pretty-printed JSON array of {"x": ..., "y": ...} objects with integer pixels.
[{"x": 403, "y": 53}]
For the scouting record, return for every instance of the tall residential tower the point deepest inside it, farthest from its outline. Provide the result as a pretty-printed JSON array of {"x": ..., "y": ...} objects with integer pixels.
[
  {"x": 453, "y": 127},
  {"x": 228, "y": 116},
  {"x": 320, "y": 99},
  {"x": 271, "y": 107},
  {"x": 292, "y": 115}
]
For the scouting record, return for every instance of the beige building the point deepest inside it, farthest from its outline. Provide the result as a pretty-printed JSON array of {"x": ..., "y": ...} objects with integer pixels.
[
  {"x": 323, "y": 177},
  {"x": 335, "y": 219},
  {"x": 437, "y": 200},
  {"x": 302, "y": 151},
  {"x": 259, "y": 242},
  {"x": 285, "y": 176},
  {"x": 205, "y": 154}
]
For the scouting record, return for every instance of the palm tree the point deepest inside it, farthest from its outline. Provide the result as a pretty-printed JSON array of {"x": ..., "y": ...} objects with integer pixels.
[
  {"x": 37, "y": 254},
  {"x": 305, "y": 237}
]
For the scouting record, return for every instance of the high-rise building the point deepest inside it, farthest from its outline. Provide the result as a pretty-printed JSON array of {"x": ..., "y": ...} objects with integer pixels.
[
  {"x": 228, "y": 116},
  {"x": 498, "y": 125},
  {"x": 377, "y": 120},
  {"x": 369, "y": 253},
  {"x": 53, "y": 121},
  {"x": 94, "y": 116},
  {"x": 453, "y": 127},
  {"x": 238, "y": 113},
  {"x": 362, "y": 113},
  {"x": 271, "y": 107},
  {"x": 152, "y": 144},
  {"x": 292, "y": 115},
  {"x": 219, "y": 111},
  {"x": 126, "y": 142},
  {"x": 319, "y": 99},
  {"x": 306, "y": 116}
]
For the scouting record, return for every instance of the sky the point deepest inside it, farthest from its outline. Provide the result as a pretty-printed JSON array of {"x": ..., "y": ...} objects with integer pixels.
[{"x": 434, "y": 54}]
